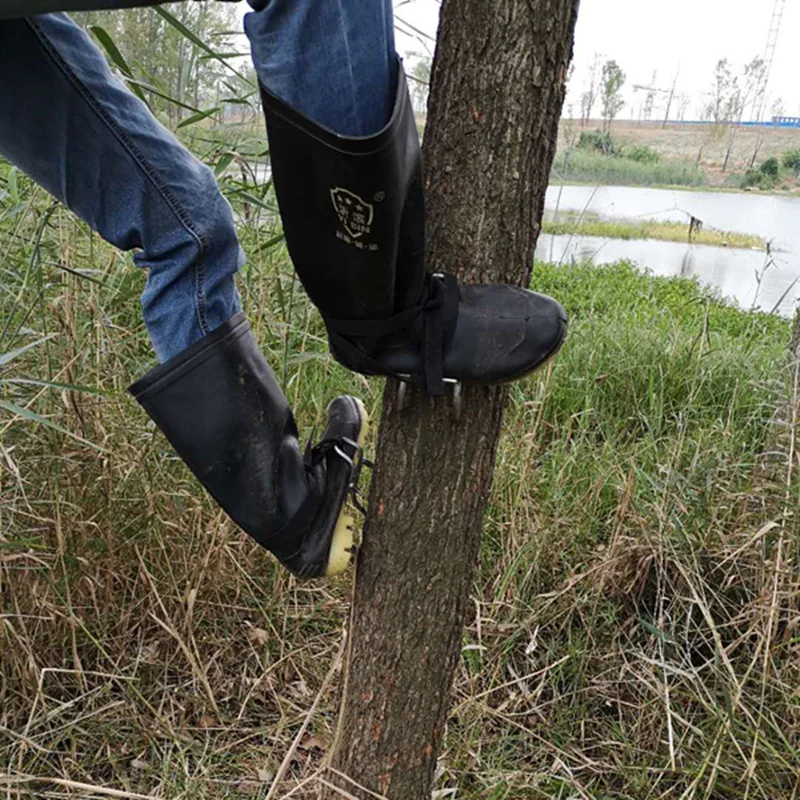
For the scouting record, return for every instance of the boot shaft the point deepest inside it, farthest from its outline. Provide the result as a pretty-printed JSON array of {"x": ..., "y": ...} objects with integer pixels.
[
  {"x": 221, "y": 408},
  {"x": 352, "y": 209}
]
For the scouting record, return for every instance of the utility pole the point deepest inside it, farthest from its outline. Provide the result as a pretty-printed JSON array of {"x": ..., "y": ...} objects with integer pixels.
[
  {"x": 671, "y": 97},
  {"x": 652, "y": 90},
  {"x": 650, "y": 99},
  {"x": 760, "y": 99}
]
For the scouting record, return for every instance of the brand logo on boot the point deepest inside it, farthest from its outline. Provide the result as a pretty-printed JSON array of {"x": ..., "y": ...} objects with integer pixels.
[{"x": 355, "y": 215}]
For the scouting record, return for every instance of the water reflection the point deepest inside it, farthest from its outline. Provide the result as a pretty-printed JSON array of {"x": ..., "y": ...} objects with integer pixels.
[{"x": 739, "y": 274}]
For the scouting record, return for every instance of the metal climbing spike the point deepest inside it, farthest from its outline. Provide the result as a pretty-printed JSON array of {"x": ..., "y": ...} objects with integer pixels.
[
  {"x": 402, "y": 393},
  {"x": 458, "y": 397}
]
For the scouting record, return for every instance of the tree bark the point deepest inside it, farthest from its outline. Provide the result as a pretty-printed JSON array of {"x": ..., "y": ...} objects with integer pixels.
[{"x": 497, "y": 90}]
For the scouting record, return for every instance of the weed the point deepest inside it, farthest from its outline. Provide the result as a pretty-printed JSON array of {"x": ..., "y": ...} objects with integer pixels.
[
  {"x": 584, "y": 166},
  {"x": 635, "y": 629},
  {"x": 592, "y": 225}
]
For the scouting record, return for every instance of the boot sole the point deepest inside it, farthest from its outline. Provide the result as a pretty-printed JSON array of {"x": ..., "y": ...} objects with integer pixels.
[
  {"x": 344, "y": 534},
  {"x": 466, "y": 381}
]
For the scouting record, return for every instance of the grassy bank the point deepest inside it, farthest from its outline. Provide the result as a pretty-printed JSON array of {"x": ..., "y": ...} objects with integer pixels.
[
  {"x": 590, "y": 225},
  {"x": 635, "y": 630},
  {"x": 690, "y": 145},
  {"x": 581, "y": 166}
]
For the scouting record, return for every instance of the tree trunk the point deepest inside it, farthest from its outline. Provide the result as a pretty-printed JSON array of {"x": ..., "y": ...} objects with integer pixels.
[
  {"x": 497, "y": 90},
  {"x": 731, "y": 137}
]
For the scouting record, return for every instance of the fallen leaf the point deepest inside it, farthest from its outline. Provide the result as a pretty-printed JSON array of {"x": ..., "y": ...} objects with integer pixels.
[
  {"x": 258, "y": 636},
  {"x": 299, "y": 690},
  {"x": 319, "y": 741}
]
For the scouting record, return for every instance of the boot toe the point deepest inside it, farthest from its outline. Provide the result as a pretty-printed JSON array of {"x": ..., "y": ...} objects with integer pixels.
[
  {"x": 545, "y": 331},
  {"x": 346, "y": 419},
  {"x": 503, "y": 333}
]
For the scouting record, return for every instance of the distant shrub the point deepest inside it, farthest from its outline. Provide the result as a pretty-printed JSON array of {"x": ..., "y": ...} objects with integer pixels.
[
  {"x": 644, "y": 155},
  {"x": 598, "y": 141},
  {"x": 791, "y": 160},
  {"x": 757, "y": 179},
  {"x": 771, "y": 168}
]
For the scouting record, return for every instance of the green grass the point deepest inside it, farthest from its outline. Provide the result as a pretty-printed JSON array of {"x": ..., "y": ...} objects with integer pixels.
[
  {"x": 582, "y": 166},
  {"x": 635, "y": 630},
  {"x": 590, "y": 225}
]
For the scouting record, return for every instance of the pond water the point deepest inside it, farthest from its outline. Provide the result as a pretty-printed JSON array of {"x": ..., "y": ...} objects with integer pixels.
[{"x": 743, "y": 275}]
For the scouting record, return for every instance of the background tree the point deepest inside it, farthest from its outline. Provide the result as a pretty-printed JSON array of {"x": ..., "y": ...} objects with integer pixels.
[
  {"x": 729, "y": 96},
  {"x": 723, "y": 89},
  {"x": 684, "y": 101},
  {"x": 611, "y": 83},
  {"x": 712, "y": 111},
  {"x": 791, "y": 160},
  {"x": 175, "y": 75},
  {"x": 589, "y": 96},
  {"x": 497, "y": 91},
  {"x": 745, "y": 90},
  {"x": 420, "y": 83}
]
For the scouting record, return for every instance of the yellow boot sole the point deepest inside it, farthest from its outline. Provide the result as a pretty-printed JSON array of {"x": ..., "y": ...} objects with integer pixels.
[{"x": 344, "y": 535}]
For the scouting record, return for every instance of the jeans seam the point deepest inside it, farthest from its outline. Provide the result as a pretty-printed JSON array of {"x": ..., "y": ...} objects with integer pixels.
[
  {"x": 199, "y": 286},
  {"x": 141, "y": 161},
  {"x": 352, "y": 86}
]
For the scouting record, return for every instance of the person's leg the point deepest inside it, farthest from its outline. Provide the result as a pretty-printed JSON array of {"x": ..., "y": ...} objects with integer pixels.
[
  {"x": 332, "y": 60},
  {"x": 347, "y": 172},
  {"x": 77, "y": 131}
]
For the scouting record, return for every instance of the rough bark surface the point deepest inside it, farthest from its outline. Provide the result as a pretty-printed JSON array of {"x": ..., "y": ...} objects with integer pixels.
[{"x": 496, "y": 97}]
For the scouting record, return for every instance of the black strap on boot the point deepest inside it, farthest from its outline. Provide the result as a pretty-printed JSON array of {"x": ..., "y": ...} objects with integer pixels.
[{"x": 438, "y": 308}]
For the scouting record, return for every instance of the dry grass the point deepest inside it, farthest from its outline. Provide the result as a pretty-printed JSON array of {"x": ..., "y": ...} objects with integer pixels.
[{"x": 637, "y": 610}]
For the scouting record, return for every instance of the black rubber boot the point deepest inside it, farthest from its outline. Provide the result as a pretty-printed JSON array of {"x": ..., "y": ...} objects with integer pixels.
[
  {"x": 354, "y": 218},
  {"x": 221, "y": 408}
]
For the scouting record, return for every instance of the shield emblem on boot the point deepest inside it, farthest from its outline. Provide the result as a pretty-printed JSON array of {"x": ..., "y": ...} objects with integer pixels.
[{"x": 354, "y": 213}]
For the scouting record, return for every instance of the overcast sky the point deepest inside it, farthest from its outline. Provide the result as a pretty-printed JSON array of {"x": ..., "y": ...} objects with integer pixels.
[{"x": 646, "y": 37}]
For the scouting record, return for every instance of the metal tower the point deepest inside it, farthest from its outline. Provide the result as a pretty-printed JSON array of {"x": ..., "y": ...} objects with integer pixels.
[{"x": 769, "y": 57}]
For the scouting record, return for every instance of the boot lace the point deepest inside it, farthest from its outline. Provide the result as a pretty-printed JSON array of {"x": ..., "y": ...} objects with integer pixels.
[{"x": 349, "y": 451}]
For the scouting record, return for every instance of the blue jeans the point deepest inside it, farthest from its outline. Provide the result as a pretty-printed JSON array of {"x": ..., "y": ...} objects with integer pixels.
[{"x": 68, "y": 123}]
